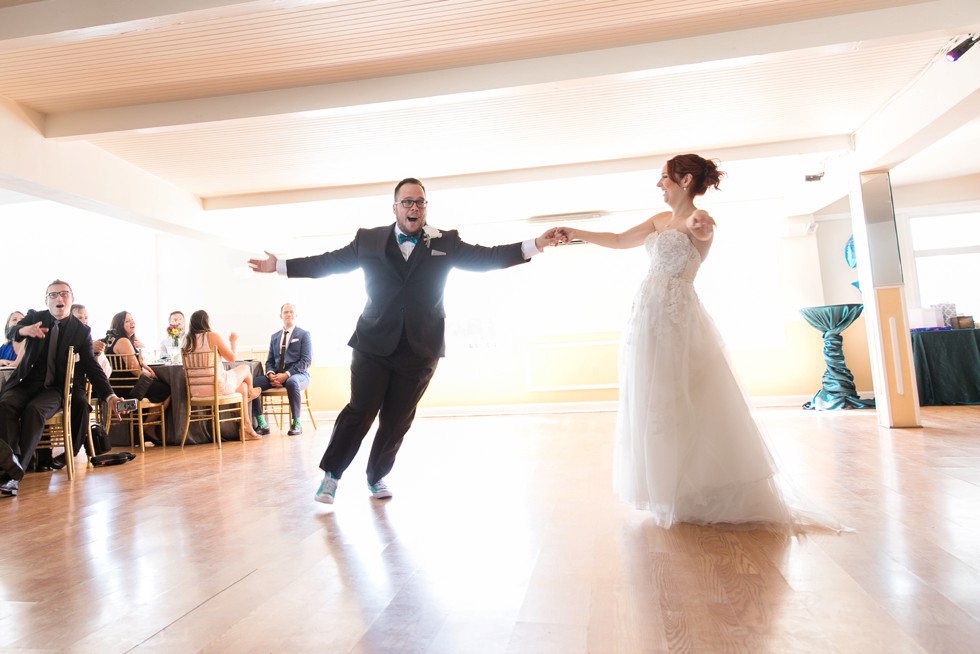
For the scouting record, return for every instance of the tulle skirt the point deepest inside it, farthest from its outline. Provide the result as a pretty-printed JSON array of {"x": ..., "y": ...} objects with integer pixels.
[{"x": 687, "y": 447}]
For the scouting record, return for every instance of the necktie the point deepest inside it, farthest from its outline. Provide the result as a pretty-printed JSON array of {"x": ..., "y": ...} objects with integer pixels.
[
  {"x": 282, "y": 353},
  {"x": 52, "y": 355},
  {"x": 405, "y": 237}
]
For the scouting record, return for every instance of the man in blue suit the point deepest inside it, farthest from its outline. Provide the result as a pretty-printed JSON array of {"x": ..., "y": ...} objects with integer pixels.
[
  {"x": 287, "y": 366},
  {"x": 400, "y": 335}
]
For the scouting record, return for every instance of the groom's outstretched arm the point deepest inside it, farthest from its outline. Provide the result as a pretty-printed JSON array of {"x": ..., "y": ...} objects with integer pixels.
[{"x": 343, "y": 260}]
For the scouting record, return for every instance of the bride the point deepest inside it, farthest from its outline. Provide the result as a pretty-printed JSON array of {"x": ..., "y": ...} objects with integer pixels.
[{"x": 687, "y": 448}]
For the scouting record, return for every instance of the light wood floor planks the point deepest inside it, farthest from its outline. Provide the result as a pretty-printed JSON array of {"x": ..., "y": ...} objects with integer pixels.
[{"x": 503, "y": 537}]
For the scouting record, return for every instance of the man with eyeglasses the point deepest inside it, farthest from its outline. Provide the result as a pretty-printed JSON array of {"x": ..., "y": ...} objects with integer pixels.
[
  {"x": 400, "y": 335},
  {"x": 35, "y": 391}
]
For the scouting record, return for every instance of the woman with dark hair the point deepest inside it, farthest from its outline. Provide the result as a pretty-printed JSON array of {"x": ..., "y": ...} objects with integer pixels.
[
  {"x": 200, "y": 338},
  {"x": 127, "y": 344},
  {"x": 687, "y": 447},
  {"x": 11, "y": 351}
]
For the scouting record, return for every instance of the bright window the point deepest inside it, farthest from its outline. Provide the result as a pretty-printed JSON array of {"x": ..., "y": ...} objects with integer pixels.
[{"x": 947, "y": 260}]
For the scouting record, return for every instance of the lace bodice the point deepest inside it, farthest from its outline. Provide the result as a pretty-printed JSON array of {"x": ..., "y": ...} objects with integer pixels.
[
  {"x": 674, "y": 262},
  {"x": 673, "y": 255}
]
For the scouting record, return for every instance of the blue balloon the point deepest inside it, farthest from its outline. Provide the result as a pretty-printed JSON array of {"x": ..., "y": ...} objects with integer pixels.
[{"x": 849, "y": 255}]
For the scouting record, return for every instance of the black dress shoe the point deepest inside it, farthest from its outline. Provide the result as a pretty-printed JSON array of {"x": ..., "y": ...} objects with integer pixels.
[
  {"x": 58, "y": 462},
  {"x": 262, "y": 431},
  {"x": 10, "y": 463},
  {"x": 295, "y": 430},
  {"x": 9, "y": 488}
]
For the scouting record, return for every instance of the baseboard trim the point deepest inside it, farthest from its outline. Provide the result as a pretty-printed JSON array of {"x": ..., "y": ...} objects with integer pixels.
[{"x": 761, "y": 401}]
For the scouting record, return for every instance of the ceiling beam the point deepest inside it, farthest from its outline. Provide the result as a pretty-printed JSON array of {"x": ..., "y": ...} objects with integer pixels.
[
  {"x": 50, "y": 22},
  {"x": 945, "y": 98},
  {"x": 545, "y": 173},
  {"x": 940, "y": 17},
  {"x": 84, "y": 176}
]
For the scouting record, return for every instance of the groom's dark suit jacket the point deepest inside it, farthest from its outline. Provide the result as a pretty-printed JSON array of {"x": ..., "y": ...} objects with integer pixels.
[
  {"x": 404, "y": 296},
  {"x": 72, "y": 333}
]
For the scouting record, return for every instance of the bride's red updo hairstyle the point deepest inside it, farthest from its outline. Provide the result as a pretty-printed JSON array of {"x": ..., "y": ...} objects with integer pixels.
[{"x": 704, "y": 172}]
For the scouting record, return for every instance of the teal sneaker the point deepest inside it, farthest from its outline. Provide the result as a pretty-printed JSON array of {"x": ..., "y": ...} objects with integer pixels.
[
  {"x": 379, "y": 490},
  {"x": 327, "y": 489}
]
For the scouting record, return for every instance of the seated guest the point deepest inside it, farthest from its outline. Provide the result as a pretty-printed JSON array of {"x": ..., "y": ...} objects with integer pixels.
[
  {"x": 80, "y": 407},
  {"x": 200, "y": 338},
  {"x": 287, "y": 366},
  {"x": 170, "y": 345},
  {"x": 35, "y": 391},
  {"x": 11, "y": 351},
  {"x": 126, "y": 343}
]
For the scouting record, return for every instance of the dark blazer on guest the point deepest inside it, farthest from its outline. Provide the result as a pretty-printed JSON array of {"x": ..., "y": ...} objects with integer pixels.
[
  {"x": 404, "y": 296},
  {"x": 299, "y": 352},
  {"x": 72, "y": 333}
]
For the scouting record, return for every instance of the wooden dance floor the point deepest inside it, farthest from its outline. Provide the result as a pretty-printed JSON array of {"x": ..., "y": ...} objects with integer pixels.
[{"x": 503, "y": 537}]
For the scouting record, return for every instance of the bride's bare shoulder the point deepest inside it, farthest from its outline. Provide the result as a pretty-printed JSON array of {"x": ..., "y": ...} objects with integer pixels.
[{"x": 658, "y": 220}]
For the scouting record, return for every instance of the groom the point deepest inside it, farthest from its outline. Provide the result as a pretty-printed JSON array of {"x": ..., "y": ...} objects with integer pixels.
[{"x": 400, "y": 334}]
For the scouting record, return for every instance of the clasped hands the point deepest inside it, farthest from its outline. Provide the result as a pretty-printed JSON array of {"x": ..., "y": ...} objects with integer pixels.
[{"x": 554, "y": 236}]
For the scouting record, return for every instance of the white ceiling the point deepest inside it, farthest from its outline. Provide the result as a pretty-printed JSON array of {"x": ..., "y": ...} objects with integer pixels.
[{"x": 243, "y": 104}]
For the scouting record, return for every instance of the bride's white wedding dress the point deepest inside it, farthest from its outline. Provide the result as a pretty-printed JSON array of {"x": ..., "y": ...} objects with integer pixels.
[{"x": 687, "y": 447}]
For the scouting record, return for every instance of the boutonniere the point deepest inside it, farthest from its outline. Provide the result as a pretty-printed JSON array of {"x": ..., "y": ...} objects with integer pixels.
[{"x": 429, "y": 233}]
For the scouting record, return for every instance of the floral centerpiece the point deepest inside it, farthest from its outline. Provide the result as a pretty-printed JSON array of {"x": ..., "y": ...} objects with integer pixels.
[
  {"x": 429, "y": 233},
  {"x": 173, "y": 331}
]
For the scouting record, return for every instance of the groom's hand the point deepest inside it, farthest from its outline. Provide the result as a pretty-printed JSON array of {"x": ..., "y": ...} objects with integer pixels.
[
  {"x": 267, "y": 265},
  {"x": 550, "y": 237}
]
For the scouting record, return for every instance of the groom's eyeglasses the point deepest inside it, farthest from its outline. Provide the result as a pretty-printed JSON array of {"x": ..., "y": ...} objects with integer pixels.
[
  {"x": 418, "y": 203},
  {"x": 54, "y": 295}
]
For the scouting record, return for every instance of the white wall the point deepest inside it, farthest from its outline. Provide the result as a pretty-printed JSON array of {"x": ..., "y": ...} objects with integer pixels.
[
  {"x": 757, "y": 277},
  {"x": 837, "y": 277},
  {"x": 111, "y": 265},
  {"x": 753, "y": 281}
]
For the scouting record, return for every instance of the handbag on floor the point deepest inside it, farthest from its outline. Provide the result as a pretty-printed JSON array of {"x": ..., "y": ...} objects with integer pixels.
[
  {"x": 112, "y": 459},
  {"x": 100, "y": 440}
]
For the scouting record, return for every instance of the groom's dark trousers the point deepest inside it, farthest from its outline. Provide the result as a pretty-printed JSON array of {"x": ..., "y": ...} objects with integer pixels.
[{"x": 385, "y": 387}]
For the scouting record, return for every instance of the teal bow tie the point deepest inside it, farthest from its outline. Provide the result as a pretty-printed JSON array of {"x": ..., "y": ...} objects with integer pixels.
[{"x": 404, "y": 237}]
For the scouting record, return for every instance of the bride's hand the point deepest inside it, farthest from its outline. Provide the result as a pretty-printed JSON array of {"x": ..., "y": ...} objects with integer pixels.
[
  {"x": 701, "y": 225},
  {"x": 565, "y": 235}
]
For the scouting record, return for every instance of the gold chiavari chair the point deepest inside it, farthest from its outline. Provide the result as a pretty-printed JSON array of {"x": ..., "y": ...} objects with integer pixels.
[
  {"x": 275, "y": 402},
  {"x": 126, "y": 370},
  {"x": 205, "y": 403},
  {"x": 57, "y": 429}
]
